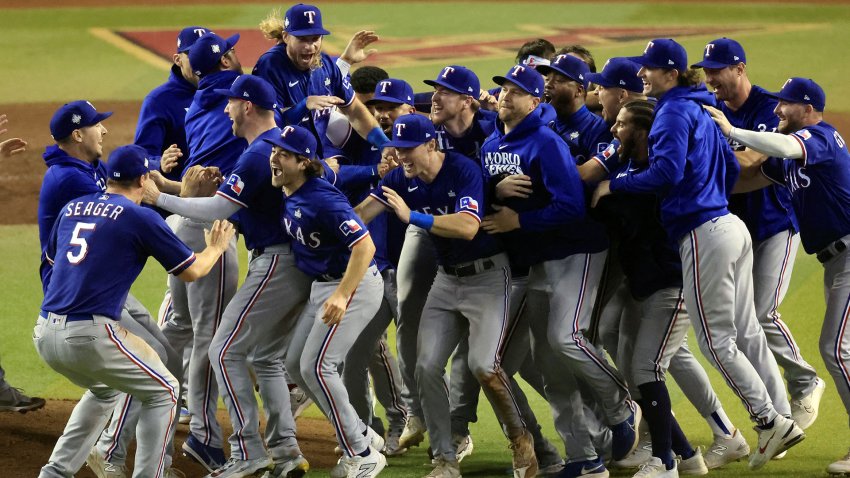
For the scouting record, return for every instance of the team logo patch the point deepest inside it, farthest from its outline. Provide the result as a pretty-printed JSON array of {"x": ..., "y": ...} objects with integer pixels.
[
  {"x": 467, "y": 202},
  {"x": 216, "y": 49},
  {"x": 804, "y": 133},
  {"x": 76, "y": 119},
  {"x": 350, "y": 226},
  {"x": 236, "y": 184}
]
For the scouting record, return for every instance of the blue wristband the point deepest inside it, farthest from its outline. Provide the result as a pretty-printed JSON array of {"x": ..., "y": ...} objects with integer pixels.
[
  {"x": 377, "y": 138},
  {"x": 425, "y": 221}
]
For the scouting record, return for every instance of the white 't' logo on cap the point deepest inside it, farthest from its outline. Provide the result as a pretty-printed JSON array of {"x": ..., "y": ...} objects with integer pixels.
[
  {"x": 446, "y": 71},
  {"x": 310, "y": 14},
  {"x": 399, "y": 128}
]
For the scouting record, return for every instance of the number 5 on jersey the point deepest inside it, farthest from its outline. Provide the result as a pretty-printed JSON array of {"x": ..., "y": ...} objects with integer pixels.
[{"x": 78, "y": 240}]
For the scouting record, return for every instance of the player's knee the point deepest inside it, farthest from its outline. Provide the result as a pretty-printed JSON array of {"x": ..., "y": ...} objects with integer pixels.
[{"x": 428, "y": 370}]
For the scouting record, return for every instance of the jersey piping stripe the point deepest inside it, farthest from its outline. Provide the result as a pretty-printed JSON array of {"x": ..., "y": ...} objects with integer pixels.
[
  {"x": 576, "y": 334},
  {"x": 122, "y": 420},
  {"x": 387, "y": 367},
  {"x": 671, "y": 324},
  {"x": 233, "y": 200},
  {"x": 704, "y": 324},
  {"x": 477, "y": 219},
  {"x": 228, "y": 384},
  {"x": 157, "y": 378},
  {"x": 356, "y": 241},
  {"x": 334, "y": 415},
  {"x": 839, "y": 340},
  {"x": 210, "y": 402},
  {"x": 381, "y": 200},
  {"x": 504, "y": 338},
  {"x": 773, "y": 315},
  {"x": 803, "y": 147},
  {"x": 183, "y": 265}
]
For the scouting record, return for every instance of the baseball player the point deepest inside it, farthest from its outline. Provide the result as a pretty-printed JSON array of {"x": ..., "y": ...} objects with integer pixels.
[
  {"x": 694, "y": 168},
  {"x": 446, "y": 196},
  {"x": 259, "y": 316},
  {"x": 80, "y": 332},
  {"x": 332, "y": 246},
  {"x": 211, "y": 144},
  {"x": 308, "y": 83},
  {"x": 770, "y": 219},
  {"x": 539, "y": 231},
  {"x": 653, "y": 270},
  {"x": 810, "y": 158}
]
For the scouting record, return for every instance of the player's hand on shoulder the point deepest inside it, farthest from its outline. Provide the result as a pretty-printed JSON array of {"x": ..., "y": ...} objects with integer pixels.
[
  {"x": 170, "y": 158},
  {"x": 333, "y": 163},
  {"x": 719, "y": 118},
  {"x": 356, "y": 51},
  {"x": 334, "y": 308},
  {"x": 514, "y": 186},
  {"x": 316, "y": 102},
  {"x": 220, "y": 234}
]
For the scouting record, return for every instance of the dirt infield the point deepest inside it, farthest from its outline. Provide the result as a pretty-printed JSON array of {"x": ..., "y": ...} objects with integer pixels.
[{"x": 28, "y": 440}]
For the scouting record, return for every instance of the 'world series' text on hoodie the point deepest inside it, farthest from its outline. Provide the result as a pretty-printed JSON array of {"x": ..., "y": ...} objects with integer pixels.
[
  {"x": 691, "y": 166},
  {"x": 208, "y": 128},
  {"x": 551, "y": 217}
]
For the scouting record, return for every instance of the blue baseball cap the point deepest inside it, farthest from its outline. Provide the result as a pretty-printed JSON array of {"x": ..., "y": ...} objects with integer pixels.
[
  {"x": 527, "y": 78},
  {"x": 409, "y": 131},
  {"x": 618, "y": 72},
  {"x": 802, "y": 90},
  {"x": 296, "y": 139},
  {"x": 459, "y": 79},
  {"x": 127, "y": 162},
  {"x": 393, "y": 90},
  {"x": 663, "y": 53},
  {"x": 303, "y": 20},
  {"x": 721, "y": 53},
  {"x": 254, "y": 89},
  {"x": 74, "y": 115},
  {"x": 206, "y": 52},
  {"x": 570, "y": 66},
  {"x": 188, "y": 36}
]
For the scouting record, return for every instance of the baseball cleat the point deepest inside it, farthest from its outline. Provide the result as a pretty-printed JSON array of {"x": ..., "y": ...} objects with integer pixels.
[
  {"x": 625, "y": 437},
  {"x": 185, "y": 416},
  {"x": 725, "y": 450},
  {"x": 781, "y": 436},
  {"x": 289, "y": 468},
  {"x": 840, "y": 467},
  {"x": 444, "y": 469},
  {"x": 780, "y": 456},
  {"x": 463, "y": 446},
  {"x": 299, "y": 401},
  {"x": 391, "y": 447},
  {"x": 14, "y": 400},
  {"x": 413, "y": 433},
  {"x": 805, "y": 410},
  {"x": 102, "y": 468},
  {"x": 524, "y": 460},
  {"x": 376, "y": 441},
  {"x": 588, "y": 468},
  {"x": 360, "y": 466},
  {"x": 654, "y": 468},
  {"x": 641, "y": 454},
  {"x": 694, "y": 465},
  {"x": 209, "y": 457},
  {"x": 235, "y": 468}
]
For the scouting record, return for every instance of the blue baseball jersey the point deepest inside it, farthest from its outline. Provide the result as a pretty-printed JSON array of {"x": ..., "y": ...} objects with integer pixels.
[
  {"x": 469, "y": 145},
  {"x": 323, "y": 227},
  {"x": 162, "y": 120},
  {"x": 609, "y": 158},
  {"x": 289, "y": 82},
  {"x": 690, "y": 163},
  {"x": 99, "y": 246},
  {"x": 457, "y": 188},
  {"x": 250, "y": 186},
  {"x": 552, "y": 217},
  {"x": 767, "y": 211},
  {"x": 819, "y": 183},
  {"x": 586, "y": 134},
  {"x": 208, "y": 128},
  {"x": 327, "y": 81}
]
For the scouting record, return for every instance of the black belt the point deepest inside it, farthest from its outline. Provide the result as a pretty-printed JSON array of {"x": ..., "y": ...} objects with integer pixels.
[
  {"x": 69, "y": 317},
  {"x": 831, "y": 251},
  {"x": 328, "y": 278},
  {"x": 469, "y": 269},
  {"x": 257, "y": 252}
]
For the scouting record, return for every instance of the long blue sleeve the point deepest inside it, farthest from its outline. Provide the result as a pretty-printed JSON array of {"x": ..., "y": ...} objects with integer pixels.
[
  {"x": 668, "y": 155},
  {"x": 560, "y": 178}
]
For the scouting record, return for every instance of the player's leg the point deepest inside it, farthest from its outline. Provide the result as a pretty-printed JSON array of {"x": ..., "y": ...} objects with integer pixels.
[{"x": 386, "y": 379}]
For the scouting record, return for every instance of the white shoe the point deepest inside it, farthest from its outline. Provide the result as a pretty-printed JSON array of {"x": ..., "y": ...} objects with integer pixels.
[
  {"x": 780, "y": 456},
  {"x": 444, "y": 469},
  {"x": 463, "y": 446},
  {"x": 391, "y": 445},
  {"x": 298, "y": 401},
  {"x": 694, "y": 465},
  {"x": 234, "y": 468},
  {"x": 654, "y": 468},
  {"x": 725, "y": 450},
  {"x": 805, "y": 410},
  {"x": 102, "y": 468},
  {"x": 641, "y": 455},
  {"x": 375, "y": 441},
  {"x": 840, "y": 467},
  {"x": 413, "y": 433},
  {"x": 365, "y": 466},
  {"x": 781, "y": 436}
]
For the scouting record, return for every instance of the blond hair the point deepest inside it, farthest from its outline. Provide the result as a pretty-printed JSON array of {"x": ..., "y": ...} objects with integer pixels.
[{"x": 272, "y": 26}]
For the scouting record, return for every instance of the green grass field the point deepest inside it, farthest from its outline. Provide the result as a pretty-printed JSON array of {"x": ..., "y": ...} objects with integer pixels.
[{"x": 50, "y": 56}]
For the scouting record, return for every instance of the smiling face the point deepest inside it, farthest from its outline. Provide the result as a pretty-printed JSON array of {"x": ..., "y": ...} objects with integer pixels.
[
  {"x": 447, "y": 104},
  {"x": 629, "y": 136},
  {"x": 515, "y": 104},
  {"x": 386, "y": 113},
  {"x": 414, "y": 160},
  {"x": 791, "y": 116},
  {"x": 303, "y": 51},
  {"x": 611, "y": 101},
  {"x": 92, "y": 141},
  {"x": 236, "y": 110},
  {"x": 286, "y": 167},
  {"x": 657, "y": 81},
  {"x": 724, "y": 82}
]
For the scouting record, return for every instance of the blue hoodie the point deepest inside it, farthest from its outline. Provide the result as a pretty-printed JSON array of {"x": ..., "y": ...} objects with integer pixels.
[
  {"x": 552, "y": 220},
  {"x": 209, "y": 129},
  {"x": 691, "y": 166},
  {"x": 162, "y": 120}
]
